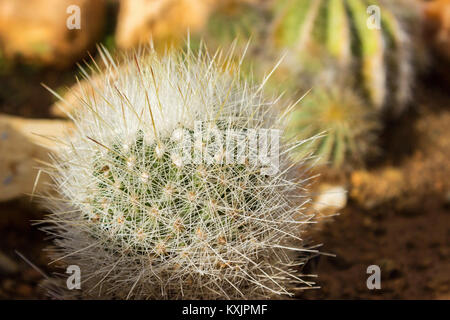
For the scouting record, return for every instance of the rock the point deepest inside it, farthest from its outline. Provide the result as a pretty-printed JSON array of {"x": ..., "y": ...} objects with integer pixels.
[
  {"x": 20, "y": 148},
  {"x": 71, "y": 96},
  {"x": 162, "y": 20},
  {"x": 330, "y": 199},
  {"x": 437, "y": 17},
  {"x": 37, "y": 30},
  {"x": 7, "y": 265},
  {"x": 371, "y": 189}
]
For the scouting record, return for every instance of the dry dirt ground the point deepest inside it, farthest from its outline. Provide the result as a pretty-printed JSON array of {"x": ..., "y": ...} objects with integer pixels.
[{"x": 407, "y": 236}]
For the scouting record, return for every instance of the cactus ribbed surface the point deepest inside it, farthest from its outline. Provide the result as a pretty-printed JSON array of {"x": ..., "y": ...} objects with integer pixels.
[{"x": 380, "y": 58}]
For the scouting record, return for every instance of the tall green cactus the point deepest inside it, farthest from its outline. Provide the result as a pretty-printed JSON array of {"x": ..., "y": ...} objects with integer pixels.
[{"x": 320, "y": 30}]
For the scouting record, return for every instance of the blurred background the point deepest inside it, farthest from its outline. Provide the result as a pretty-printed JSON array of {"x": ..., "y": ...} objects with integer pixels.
[{"x": 376, "y": 74}]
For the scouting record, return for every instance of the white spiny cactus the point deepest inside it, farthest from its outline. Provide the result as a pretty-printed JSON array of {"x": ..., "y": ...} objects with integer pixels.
[{"x": 144, "y": 218}]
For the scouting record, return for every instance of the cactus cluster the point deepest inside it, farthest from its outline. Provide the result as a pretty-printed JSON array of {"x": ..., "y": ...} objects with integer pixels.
[
  {"x": 143, "y": 218},
  {"x": 330, "y": 41},
  {"x": 348, "y": 126},
  {"x": 317, "y": 31},
  {"x": 241, "y": 26}
]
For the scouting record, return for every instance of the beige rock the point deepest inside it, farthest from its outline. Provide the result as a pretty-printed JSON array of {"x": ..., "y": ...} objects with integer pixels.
[
  {"x": 371, "y": 189},
  {"x": 72, "y": 96},
  {"x": 21, "y": 145},
  {"x": 162, "y": 20},
  {"x": 330, "y": 199},
  {"x": 437, "y": 15},
  {"x": 37, "y": 29}
]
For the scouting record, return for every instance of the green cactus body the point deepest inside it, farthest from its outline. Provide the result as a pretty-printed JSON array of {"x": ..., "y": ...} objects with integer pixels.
[
  {"x": 347, "y": 125},
  {"x": 338, "y": 32},
  {"x": 241, "y": 23},
  {"x": 168, "y": 200},
  {"x": 379, "y": 55},
  {"x": 398, "y": 43},
  {"x": 233, "y": 22}
]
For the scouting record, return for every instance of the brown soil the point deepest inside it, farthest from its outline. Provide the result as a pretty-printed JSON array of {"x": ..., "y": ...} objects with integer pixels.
[
  {"x": 413, "y": 253},
  {"x": 411, "y": 246},
  {"x": 17, "y": 234},
  {"x": 407, "y": 236}
]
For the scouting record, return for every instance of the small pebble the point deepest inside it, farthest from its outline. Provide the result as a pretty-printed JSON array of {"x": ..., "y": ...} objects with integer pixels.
[{"x": 330, "y": 200}]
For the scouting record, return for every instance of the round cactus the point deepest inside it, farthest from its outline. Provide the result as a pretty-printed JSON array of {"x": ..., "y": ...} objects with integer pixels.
[
  {"x": 348, "y": 127},
  {"x": 157, "y": 201},
  {"x": 346, "y": 32}
]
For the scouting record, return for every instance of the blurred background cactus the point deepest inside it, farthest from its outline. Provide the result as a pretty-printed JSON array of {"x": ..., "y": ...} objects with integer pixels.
[
  {"x": 236, "y": 20},
  {"x": 380, "y": 57},
  {"x": 348, "y": 127}
]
